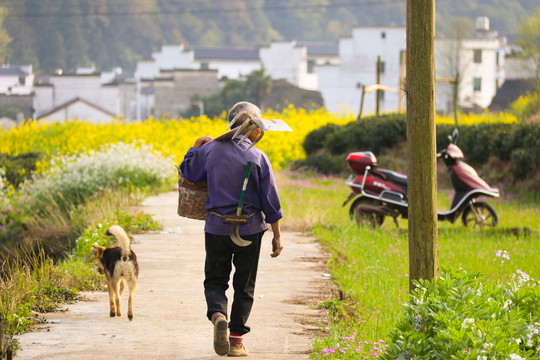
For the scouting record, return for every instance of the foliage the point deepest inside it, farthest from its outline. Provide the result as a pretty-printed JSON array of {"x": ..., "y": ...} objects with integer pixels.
[
  {"x": 255, "y": 89},
  {"x": 373, "y": 133},
  {"x": 324, "y": 164},
  {"x": 259, "y": 89},
  {"x": 370, "y": 266},
  {"x": 7, "y": 111},
  {"x": 526, "y": 106},
  {"x": 4, "y": 201},
  {"x": 315, "y": 140},
  {"x": 11, "y": 224},
  {"x": 41, "y": 287},
  {"x": 110, "y": 33},
  {"x": 170, "y": 138},
  {"x": 71, "y": 180},
  {"x": 458, "y": 317},
  {"x": 529, "y": 43},
  {"x": 514, "y": 142},
  {"x": 19, "y": 168}
]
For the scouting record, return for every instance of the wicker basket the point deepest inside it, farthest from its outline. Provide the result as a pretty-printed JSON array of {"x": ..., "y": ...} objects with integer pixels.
[{"x": 192, "y": 198}]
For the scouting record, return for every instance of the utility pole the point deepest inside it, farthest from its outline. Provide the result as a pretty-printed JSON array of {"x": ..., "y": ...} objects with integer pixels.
[
  {"x": 403, "y": 57},
  {"x": 377, "y": 106},
  {"x": 421, "y": 153}
]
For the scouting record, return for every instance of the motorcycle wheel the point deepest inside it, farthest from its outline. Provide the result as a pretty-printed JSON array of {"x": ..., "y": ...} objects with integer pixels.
[
  {"x": 358, "y": 212},
  {"x": 487, "y": 216}
]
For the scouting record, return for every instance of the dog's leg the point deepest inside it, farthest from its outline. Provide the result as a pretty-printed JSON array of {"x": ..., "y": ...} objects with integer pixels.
[
  {"x": 132, "y": 287},
  {"x": 122, "y": 287},
  {"x": 116, "y": 286},
  {"x": 110, "y": 286}
]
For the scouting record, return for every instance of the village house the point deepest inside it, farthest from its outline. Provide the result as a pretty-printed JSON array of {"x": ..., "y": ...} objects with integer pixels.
[{"x": 166, "y": 84}]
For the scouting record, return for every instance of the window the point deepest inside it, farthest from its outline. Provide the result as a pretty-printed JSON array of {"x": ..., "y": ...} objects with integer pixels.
[
  {"x": 383, "y": 35},
  {"x": 383, "y": 67},
  {"x": 477, "y": 84},
  {"x": 477, "y": 56},
  {"x": 310, "y": 66},
  {"x": 204, "y": 66}
]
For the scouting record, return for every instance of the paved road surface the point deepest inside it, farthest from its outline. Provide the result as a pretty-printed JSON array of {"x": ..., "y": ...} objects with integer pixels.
[{"x": 169, "y": 307}]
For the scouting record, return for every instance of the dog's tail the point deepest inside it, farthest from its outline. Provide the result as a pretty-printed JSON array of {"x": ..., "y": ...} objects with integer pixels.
[{"x": 123, "y": 240}]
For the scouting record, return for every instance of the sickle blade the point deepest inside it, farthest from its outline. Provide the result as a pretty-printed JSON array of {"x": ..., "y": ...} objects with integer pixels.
[{"x": 235, "y": 237}]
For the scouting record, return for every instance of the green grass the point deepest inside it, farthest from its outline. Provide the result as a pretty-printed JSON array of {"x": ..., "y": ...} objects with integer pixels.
[
  {"x": 34, "y": 283},
  {"x": 370, "y": 266}
]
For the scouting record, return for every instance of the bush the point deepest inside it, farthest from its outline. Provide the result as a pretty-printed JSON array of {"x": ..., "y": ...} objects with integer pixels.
[
  {"x": 518, "y": 143},
  {"x": 72, "y": 180},
  {"x": 19, "y": 168},
  {"x": 325, "y": 164},
  {"x": 458, "y": 317},
  {"x": 315, "y": 140},
  {"x": 372, "y": 133}
]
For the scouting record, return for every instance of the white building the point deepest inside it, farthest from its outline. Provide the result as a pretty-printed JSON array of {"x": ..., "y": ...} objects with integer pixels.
[
  {"x": 62, "y": 89},
  {"x": 341, "y": 84},
  {"x": 230, "y": 63},
  {"x": 79, "y": 109},
  {"x": 16, "y": 79},
  {"x": 281, "y": 60},
  {"x": 477, "y": 63},
  {"x": 289, "y": 61}
]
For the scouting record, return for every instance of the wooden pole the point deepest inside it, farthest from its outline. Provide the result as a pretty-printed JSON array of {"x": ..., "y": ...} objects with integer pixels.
[
  {"x": 403, "y": 56},
  {"x": 421, "y": 153},
  {"x": 377, "y": 105},
  {"x": 361, "y": 102}
]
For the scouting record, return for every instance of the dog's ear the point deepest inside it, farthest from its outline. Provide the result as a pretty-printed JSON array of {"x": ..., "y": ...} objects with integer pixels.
[{"x": 99, "y": 249}]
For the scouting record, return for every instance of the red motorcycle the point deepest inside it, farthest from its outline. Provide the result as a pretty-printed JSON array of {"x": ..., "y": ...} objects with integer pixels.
[{"x": 377, "y": 193}]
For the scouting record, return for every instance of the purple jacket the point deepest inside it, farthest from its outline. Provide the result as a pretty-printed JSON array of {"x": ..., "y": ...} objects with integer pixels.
[{"x": 223, "y": 165}]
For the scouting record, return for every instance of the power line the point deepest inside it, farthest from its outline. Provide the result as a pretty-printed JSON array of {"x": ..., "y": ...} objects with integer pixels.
[{"x": 202, "y": 11}]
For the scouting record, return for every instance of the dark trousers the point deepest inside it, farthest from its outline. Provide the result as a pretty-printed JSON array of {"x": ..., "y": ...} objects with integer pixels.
[{"x": 221, "y": 254}]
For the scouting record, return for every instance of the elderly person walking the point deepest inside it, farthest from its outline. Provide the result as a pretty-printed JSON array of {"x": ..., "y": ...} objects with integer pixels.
[{"x": 223, "y": 165}]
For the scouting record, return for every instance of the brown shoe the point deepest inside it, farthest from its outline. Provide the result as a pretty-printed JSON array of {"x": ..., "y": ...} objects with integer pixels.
[
  {"x": 221, "y": 336},
  {"x": 238, "y": 351}
]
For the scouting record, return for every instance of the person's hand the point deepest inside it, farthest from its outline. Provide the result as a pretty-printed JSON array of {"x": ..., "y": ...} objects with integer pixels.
[
  {"x": 202, "y": 140},
  {"x": 276, "y": 246}
]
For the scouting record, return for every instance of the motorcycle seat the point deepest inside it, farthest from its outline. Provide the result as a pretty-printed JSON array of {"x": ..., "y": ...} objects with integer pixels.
[{"x": 394, "y": 176}]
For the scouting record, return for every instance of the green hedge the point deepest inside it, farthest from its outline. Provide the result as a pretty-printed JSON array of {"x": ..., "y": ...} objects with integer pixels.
[{"x": 517, "y": 143}]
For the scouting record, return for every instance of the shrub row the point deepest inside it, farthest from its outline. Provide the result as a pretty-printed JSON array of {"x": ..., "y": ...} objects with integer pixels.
[{"x": 517, "y": 143}]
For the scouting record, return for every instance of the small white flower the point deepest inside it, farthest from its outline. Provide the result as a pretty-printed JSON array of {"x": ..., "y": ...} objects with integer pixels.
[
  {"x": 515, "y": 357},
  {"x": 467, "y": 322}
]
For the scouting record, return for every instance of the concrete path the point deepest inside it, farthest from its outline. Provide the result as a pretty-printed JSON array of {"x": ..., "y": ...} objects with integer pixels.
[{"x": 169, "y": 307}]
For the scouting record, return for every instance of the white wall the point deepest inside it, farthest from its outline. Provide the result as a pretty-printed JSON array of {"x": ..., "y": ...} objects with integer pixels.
[
  {"x": 342, "y": 89},
  {"x": 452, "y": 55},
  {"x": 285, "y": 60},
  {"x": 174, "y": 57},
  {"x": 232, "y": 69},
  {"x": 43, "y": 99},
  {"x": 87, "y": 87},
  {"x": 79, "y": 110}
]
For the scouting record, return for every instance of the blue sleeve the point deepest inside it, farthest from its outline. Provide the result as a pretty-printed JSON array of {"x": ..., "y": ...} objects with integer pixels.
[
  {"x": 270, "y": 203},
  {"x": 192, "y": 166}
]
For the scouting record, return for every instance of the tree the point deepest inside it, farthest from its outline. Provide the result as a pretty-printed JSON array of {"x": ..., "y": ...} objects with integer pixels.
[
  {"x": 5, "y": 39},
  {"x": 422, "y": 175},
  {"x": 450, "y": 67},
  {"x": 258, "y": 87},
  {"x": 529, "y": 42}
]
